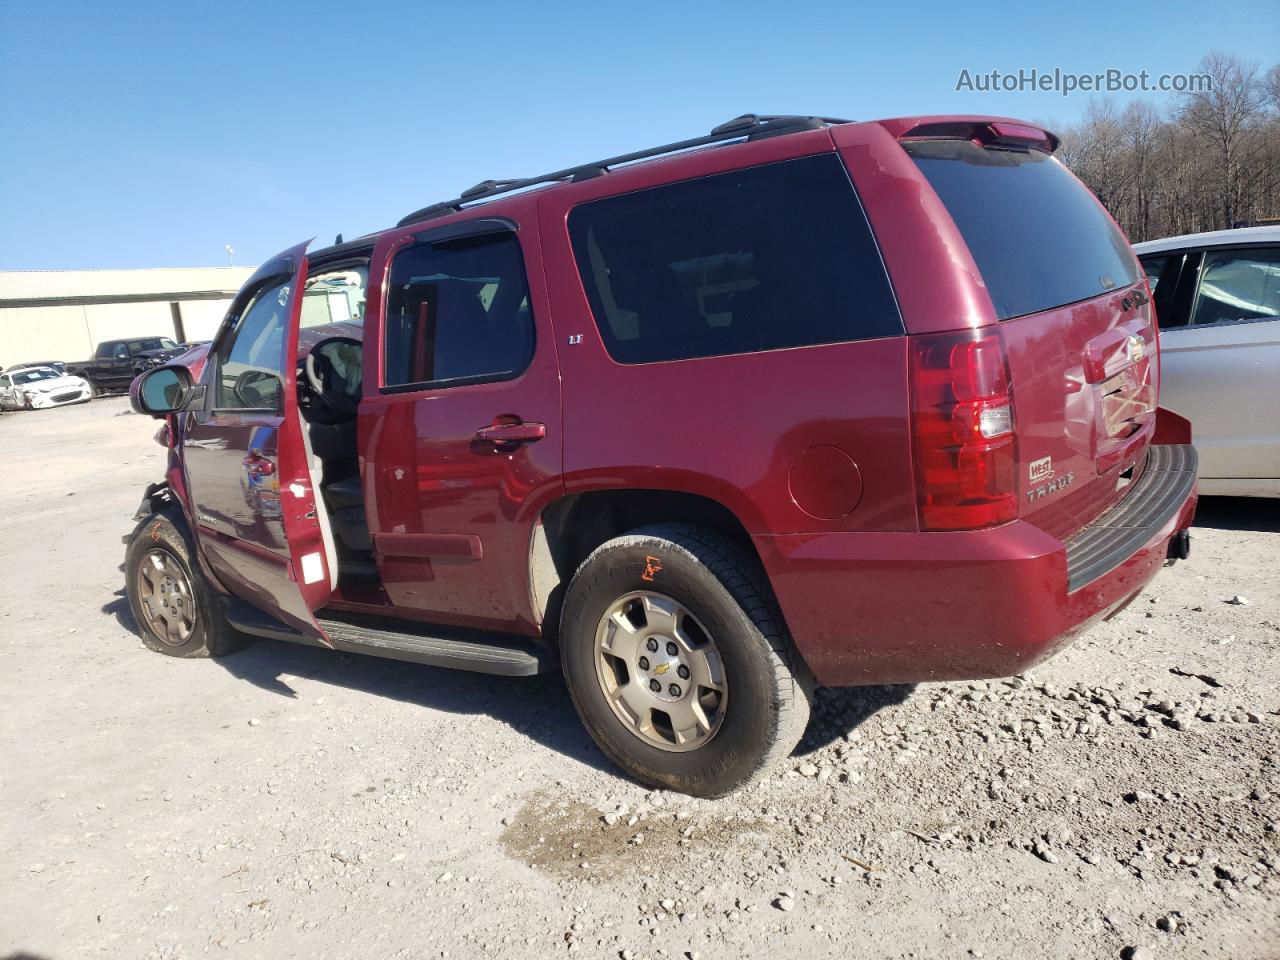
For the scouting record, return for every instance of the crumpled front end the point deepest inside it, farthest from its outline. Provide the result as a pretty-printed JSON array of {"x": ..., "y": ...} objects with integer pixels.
[{"x": 61, "y": 397}]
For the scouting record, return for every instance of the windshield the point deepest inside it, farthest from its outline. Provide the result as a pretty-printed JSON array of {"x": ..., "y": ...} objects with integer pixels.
[
  {"x": 31, "y": 376},
  {"x": 1040, "y": 238},
  {"x": 152, "y": 343}
]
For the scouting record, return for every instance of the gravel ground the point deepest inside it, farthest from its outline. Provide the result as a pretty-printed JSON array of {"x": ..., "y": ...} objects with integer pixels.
[{"x": 1121, "y": 801}]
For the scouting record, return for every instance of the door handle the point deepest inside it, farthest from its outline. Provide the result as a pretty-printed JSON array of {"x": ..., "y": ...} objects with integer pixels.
[
  {"x": 512, "y": 434},
  {"x": 257, "y": 465}
]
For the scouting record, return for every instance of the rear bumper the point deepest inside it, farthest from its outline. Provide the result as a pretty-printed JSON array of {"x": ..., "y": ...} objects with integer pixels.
[{"x": 869, "y": 608}]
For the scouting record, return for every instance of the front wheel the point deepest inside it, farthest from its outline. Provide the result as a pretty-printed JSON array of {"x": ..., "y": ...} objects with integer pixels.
[
  {"x": 677, "y": 662},
  {"x": 175, "y": 607}
]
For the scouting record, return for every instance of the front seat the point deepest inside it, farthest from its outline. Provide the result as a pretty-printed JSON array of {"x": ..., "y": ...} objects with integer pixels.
[{"x": 345, "y": 500}]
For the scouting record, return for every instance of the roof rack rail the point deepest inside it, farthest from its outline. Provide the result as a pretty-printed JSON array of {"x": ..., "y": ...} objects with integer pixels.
[{"x": 750, "y": 126}]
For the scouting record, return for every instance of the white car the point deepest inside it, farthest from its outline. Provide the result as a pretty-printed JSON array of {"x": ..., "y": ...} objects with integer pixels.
[
  {"x": 36, "y": 388},
  {"x": 1217, "y": 297}
]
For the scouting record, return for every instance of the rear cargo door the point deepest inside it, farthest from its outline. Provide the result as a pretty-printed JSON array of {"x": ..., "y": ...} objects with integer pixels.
[{"x": 1075, "y": 319}]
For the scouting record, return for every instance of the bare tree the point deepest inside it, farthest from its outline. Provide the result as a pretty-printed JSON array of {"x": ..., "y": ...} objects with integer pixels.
[
  {"x": 1271, "y": 88},
  {"x": 1210, "y": 162},
  {"x": 1140, "y": 126},
  {"x": 1225, "y": 115}
]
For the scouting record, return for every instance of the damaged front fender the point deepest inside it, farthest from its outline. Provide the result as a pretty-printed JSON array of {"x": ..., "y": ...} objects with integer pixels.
[{"x": 156, "y": 497}]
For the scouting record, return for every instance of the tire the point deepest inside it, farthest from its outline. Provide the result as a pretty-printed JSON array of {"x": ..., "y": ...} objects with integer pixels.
[
  {"x": 754, "y": 721},
  {"x": 94, "y": 391},
  {"x": 162, "y": 545}
]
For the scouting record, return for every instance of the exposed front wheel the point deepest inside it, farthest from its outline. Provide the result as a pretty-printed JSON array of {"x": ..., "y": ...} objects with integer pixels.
[
  {"x": 677, "y": 663},
  {"x": 174, "y": 606}
]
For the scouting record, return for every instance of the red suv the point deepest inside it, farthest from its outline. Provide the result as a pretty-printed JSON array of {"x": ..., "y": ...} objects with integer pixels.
[{"x": 802, "y": 402}]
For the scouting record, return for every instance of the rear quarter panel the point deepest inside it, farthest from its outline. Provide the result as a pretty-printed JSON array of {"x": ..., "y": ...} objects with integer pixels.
[{"x": 728, "y": 428}]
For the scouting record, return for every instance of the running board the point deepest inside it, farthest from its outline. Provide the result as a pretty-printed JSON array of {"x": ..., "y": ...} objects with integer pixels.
[
  {"x": 247, "y": 618},
  {"x": 507, "y": 656}
]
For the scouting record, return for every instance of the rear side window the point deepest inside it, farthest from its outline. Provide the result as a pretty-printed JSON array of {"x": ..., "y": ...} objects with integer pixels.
[
  {"x": 757, "y": 259},
  {"x": 1153, "y": 267},
  {"x": 457, "y": 314},
  {"x": 1040, "y": 239},
  {"x": 1163, "y": 270}
]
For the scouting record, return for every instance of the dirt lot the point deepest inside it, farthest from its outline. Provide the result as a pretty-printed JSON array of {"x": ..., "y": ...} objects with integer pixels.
[{"x": 287, "y": 801}]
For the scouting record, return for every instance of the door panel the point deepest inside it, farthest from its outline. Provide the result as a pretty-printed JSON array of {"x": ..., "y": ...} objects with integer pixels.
[
  {"x": 1222, "y": 369},
  {"x": 255, "y": 509},
  {"x": 464, "y": 346},
  {"x": 1226, "y": 381}
]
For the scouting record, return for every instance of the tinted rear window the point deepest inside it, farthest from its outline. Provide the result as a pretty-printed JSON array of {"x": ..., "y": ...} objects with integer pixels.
[
  {"x": 757, "y": 259},
  {"x": 1040, "y": 238}
]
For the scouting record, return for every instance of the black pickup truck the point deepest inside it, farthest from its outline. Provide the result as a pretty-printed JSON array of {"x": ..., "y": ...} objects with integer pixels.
[{"x": 116, "y": 362}]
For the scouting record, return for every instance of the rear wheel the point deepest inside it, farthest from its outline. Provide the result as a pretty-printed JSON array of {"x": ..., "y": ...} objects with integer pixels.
[
  {"x": 678, "y": 664},
  {"x": 175, "y": 607}
]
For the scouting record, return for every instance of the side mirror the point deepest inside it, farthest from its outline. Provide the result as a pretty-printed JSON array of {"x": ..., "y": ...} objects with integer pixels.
[{"x": 162, "y": 391}]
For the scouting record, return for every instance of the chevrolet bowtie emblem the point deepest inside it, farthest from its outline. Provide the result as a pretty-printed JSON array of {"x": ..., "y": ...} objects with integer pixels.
[{"x": 661, "y": 668}]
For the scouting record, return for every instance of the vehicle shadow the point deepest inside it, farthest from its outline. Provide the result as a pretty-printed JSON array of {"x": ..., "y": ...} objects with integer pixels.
[
  {"x": 1261, "y": 514},
  {"x": 839, "y": 711},
  {"x": 538, "y": 707},
  {"x": 119, "y": 609}
]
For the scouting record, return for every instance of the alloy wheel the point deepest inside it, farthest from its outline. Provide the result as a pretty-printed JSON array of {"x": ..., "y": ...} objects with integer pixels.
[
  {"x": 661, "y": 671},
  {"x": 165, "y": 596}
]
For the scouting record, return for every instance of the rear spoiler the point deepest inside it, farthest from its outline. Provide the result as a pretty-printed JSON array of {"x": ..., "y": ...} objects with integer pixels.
[{"x": 993, "y": 132}]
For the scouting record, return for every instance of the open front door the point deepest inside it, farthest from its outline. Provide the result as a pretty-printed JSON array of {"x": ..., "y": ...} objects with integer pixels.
[{"x": 249, "y": 469}]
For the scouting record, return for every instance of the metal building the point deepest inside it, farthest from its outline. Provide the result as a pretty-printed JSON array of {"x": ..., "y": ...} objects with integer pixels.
[{"x": 64, "y": 314}]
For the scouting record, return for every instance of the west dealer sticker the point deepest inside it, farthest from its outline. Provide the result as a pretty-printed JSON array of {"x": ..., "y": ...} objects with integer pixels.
[{"x": 1042, "y": 470}]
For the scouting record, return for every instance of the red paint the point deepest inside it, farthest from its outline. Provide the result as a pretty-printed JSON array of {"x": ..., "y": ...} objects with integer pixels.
[
  {"x": 457, "y": 546},
  {"x": 426, "y": 471},
  {"x": 1171, "y": 428},
  {"x": 810, "y": 448},
  {"x": 825, "y": 483},
  {"x": 249, "y": 487},
  {"x": 884, "y": 608}
]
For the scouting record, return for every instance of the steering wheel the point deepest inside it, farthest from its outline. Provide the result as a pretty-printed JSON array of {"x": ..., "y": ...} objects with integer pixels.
[{"x": 333, "y": 371}]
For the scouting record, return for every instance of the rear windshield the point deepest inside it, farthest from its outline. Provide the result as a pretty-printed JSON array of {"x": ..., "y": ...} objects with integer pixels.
[{"x": 1040, "y": 239}]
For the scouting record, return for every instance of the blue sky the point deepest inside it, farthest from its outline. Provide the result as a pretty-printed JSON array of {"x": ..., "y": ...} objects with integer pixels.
[{"x": 151, "y": 134}]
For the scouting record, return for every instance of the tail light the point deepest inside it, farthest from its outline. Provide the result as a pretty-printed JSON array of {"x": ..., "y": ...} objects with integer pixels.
[{"x": 962, "y": 421}]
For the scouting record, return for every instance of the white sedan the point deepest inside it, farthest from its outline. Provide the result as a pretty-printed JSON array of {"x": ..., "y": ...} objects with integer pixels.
[
  {"x": 36, "y": 388},
  {"x": 1217, "y": 297}
]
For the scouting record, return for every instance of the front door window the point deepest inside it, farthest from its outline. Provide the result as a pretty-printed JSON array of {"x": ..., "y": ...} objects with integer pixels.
[
  {"x": 1238, "y": 285},
  {"x": 250, "y": 361}
]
